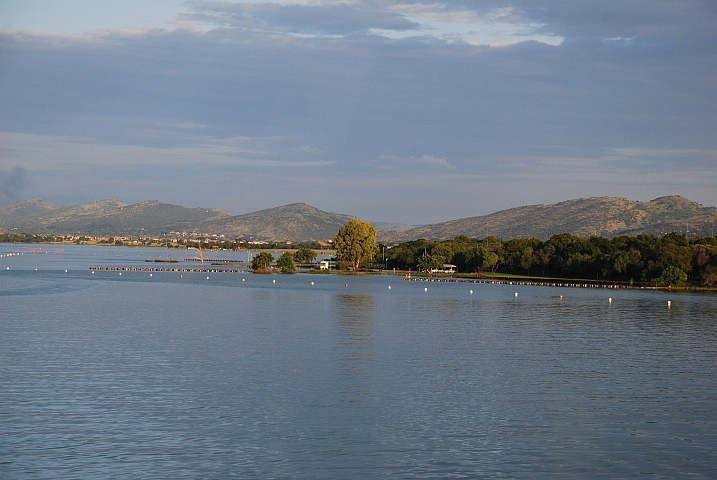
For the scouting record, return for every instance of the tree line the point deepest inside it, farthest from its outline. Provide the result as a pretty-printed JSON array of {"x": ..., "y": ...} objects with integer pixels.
[{"x": 669, "y": 260}]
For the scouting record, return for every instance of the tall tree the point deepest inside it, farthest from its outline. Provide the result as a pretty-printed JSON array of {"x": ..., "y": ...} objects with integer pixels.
[
  {"x": 356, "y": 242},
  {"x": 261, "y": 262},
  {"x": 286, "y": 263},
  {"x": 304, "y": 255}
]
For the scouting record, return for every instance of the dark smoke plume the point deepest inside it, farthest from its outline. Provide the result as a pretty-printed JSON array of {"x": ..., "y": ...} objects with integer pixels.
[{"x": 12, "y": 183}]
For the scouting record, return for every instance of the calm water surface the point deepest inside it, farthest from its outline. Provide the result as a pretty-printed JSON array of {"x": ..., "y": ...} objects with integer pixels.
[{"x": 133, "y": 376}]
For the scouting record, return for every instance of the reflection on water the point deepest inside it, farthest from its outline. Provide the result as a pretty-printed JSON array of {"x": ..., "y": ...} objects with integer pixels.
[
  {"x": 184, "y": 376},
  {"x": 354, "y": 319}
]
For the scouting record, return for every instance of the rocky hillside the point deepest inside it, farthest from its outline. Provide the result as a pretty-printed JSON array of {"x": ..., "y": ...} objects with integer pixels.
[
  {"x": 603, "y": 216},
  {"x": 296, "y": 222},
  {"x": 106, "y": 217}
]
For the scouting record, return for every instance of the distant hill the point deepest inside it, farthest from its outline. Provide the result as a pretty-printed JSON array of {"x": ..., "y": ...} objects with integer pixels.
[
  {"x": 602, "y": 216},
  {"x": 393, "y": 227},
  {"x": 37, "y": 207},
  {"x": 295, "y": 222},
  {"x": 106, "y": 217}
]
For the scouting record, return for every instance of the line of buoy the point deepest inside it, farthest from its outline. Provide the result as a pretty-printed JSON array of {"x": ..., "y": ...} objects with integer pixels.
[{"x": 515, "y": 282}]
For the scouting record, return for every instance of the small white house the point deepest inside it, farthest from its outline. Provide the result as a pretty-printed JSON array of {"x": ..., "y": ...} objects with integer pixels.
[
  {"x": 327, "y": 264},
  {"x": 447, "y": 268}
]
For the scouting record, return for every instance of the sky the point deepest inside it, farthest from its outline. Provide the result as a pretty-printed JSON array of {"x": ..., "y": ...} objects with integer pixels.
[{"x": 409, "y": 111}]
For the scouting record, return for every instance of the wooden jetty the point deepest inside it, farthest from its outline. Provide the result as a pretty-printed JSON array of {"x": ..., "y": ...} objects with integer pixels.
[{"x": 169, "y": 269}]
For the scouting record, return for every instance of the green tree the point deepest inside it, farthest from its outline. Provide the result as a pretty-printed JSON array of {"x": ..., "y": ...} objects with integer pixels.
[
  {"x": 356, "y": 242},
  {"x": 709, "y": 276},
  {"x": 672, "y": 277},
  {"x": 490, "y": 261},
  {"x": 444, "y": 250},
  {"x": 286, "y": 263},
  {"x": 304, "y": 255},
  {"x": 262, "y": 262},
  {"x": 431, "y": 262}
]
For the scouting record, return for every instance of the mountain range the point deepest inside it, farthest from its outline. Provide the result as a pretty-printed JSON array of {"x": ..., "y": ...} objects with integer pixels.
[{"x": 603, "y": 216}]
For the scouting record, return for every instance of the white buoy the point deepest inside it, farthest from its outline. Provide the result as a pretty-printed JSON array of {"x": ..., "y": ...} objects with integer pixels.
[
  {"x": 425, "y": 289},
  {"x": 207, "y": 278},
  {"x": 669, "y": 304},
  {"x": 150, "y": 274},
  {"x": 36, "y": 269},
  {"x": 120, "y": 273},
  {"x": 389, "y": 287},
  {"x": 609, "y": 300},
  {"x": 93, "y": 272},
  {"x": 243, "y": 279},
  {"x": 65, "y": 271},
  {"x": 273, "y": 281},
  {"x": 471, "y": 292},
  {"x": 312, "y": 283},
  {"x": 516, "y": 294}
]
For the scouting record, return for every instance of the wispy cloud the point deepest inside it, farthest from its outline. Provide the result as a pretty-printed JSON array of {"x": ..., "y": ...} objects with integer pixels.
[
  {"x": 428, "y": 161},
  {"x": 59, "y": 152}
]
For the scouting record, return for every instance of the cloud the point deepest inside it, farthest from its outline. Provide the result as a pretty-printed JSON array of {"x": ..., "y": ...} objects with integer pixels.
[
  {"x": 12, "y": 183},
  {"x": 57, "y": 153},
  {"x": 340, "y": 18},
  {"x": 431, "y": 161},
  {"x": 254, "y": 90},
  {"x": 495, "y": 25}
]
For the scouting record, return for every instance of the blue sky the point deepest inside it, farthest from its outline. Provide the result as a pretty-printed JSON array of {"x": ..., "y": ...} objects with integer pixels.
[{"x": 406, "y": 111}]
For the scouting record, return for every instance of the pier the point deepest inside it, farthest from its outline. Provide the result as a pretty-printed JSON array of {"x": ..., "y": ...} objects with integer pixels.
[{"x": 168, "y": 269}]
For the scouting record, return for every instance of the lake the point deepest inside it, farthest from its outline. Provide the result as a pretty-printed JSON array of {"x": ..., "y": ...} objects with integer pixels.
[{"x": 176, "y": 375}]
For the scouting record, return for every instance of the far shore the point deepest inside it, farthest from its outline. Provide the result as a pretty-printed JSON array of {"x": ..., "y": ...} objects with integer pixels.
[{"x": 498, "y": 278}]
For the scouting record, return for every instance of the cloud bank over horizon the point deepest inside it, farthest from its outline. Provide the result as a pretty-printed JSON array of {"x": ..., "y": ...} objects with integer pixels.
[{"x": 405, "y": 111}]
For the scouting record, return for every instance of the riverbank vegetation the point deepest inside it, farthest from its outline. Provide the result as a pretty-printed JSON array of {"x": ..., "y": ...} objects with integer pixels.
[{"x": 671, "y": 260}]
